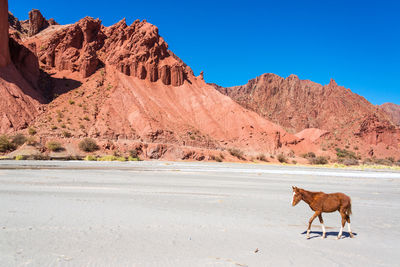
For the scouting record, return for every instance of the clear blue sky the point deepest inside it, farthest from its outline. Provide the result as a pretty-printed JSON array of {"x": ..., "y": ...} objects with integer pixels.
[{"x": 355, "y": 42}]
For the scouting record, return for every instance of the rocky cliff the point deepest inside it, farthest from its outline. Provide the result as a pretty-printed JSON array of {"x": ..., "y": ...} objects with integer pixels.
[{"x": 301, "y": 104}]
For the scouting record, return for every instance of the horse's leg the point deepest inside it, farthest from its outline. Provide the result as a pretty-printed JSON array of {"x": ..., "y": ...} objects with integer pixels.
[
  {"x": 343, "y": 223},
  {"x": 310, "y": 222},
  {"x": 348, "y": 226},
  {"x": 323, "y": 226}
]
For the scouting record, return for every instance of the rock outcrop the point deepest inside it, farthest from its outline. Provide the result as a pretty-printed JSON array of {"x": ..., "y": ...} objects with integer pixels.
[
  {"x": 37, "y": 22},
  {"x": 74, "y": 48},
  {"x": 5, "y": 58},
  {"x": 393, "y": 111},
  {"x": 136, "y": 50}
]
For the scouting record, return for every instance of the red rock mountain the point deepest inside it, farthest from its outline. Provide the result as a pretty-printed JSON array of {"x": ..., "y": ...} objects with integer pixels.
[
  {"x": 122, "y": 84},
  {"x": 298, "y": 104},
  {"x": 393, "y": 111}
]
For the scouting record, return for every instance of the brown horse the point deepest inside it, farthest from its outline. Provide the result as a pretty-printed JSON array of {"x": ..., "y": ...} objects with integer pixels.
[{"x": 321, "y": 202}]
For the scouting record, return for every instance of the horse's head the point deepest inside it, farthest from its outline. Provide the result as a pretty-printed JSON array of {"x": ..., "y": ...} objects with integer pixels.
[{"x": 296, "y": 196}]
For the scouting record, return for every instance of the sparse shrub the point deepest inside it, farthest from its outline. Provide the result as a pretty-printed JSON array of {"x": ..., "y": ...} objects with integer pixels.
[
  {"x": 262, "y": 157},
  {"x": 60, "y": 114},
  {"x": 20, "y": 157},
  {"x": 236, "y": 153},
  {"x": 385, "y": 162},
  {"x": 355, "y": 148},
  {"x": 54, "y": 146},
  {"x": 349, "y": 162},
  {"x": 391, "y": 159},
  {"x": 133, "y": 153},
  {"x": 320, "y": 160},
  {"x": 282, "y": 158},
  {"x": 130, "y": 158},
  {"x": 53, "y": 127},
  {"x": 90, "y": 158},
  {"x": 294, "y": 162},
  {"x": 5, "y": 144},
  {"x": 71, "y": 102},
  {"x": 19, "y": 139},
  {"x": 88, "y": 145},
  {"x": 86, "y": 118},
  {"x": 31, "y": 141},
  {"x": 309, "y": 155},
  {"x": 63, "y": 126},
  {"x": 40, "y": 157},
  {"x": 216, "y": 158},
  {"x": 345, "y": 154},
  {"x": 66, "y": 134},
  {"x": 32, "y": 131},
  {"x": 81, "y": 126},
  {"x": 111, "y": 158}
]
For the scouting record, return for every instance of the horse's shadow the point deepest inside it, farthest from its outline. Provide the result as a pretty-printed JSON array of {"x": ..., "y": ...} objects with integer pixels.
[{"x": 332, "y": 233}]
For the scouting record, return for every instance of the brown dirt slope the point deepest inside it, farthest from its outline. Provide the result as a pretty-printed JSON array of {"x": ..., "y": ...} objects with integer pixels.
[{"x": 393, "y": 112}]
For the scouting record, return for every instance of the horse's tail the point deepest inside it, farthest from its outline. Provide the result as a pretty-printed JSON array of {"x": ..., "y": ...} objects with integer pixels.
[{"x": 349, "y": 212}]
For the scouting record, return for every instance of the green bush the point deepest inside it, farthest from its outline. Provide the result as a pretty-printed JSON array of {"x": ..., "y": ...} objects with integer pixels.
[
  {"x": 19, "y": 139},
  {"x": 88, "y": 145},
  {"x": 5, "y": 144},
  {"x": 90, "y": 158},
  {"x": 111, "y": 158},
  {"x": 54, "y": 146},
  {"x": 130, "y": 158},
  {"x": 20, "y": 157},
  {"x": 345, "y": 154}
]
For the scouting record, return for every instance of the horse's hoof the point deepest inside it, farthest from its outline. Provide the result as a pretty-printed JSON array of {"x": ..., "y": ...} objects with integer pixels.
[
  {"x": 323, "y": 237},
  {"x": 337, "y": 238},
  {"x": 351, "y": 235}
]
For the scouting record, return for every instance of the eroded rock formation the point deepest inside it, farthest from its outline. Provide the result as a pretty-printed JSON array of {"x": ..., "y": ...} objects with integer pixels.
[{"x": 136, "y": 50}]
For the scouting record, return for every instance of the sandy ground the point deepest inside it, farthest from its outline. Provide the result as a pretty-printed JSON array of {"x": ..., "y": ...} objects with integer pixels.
[{"x": 189, "y": 214}]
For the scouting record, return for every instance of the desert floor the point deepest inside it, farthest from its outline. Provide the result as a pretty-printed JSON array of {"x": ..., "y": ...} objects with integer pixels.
[{"x": 190, "y": 214}]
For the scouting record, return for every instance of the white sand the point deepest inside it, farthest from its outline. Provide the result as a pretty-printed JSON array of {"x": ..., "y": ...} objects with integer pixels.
[{"x": 189, "y": 214}]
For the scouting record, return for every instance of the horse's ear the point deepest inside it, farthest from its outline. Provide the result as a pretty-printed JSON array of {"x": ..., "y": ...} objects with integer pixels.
[{"x": 294, "y": 188}]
